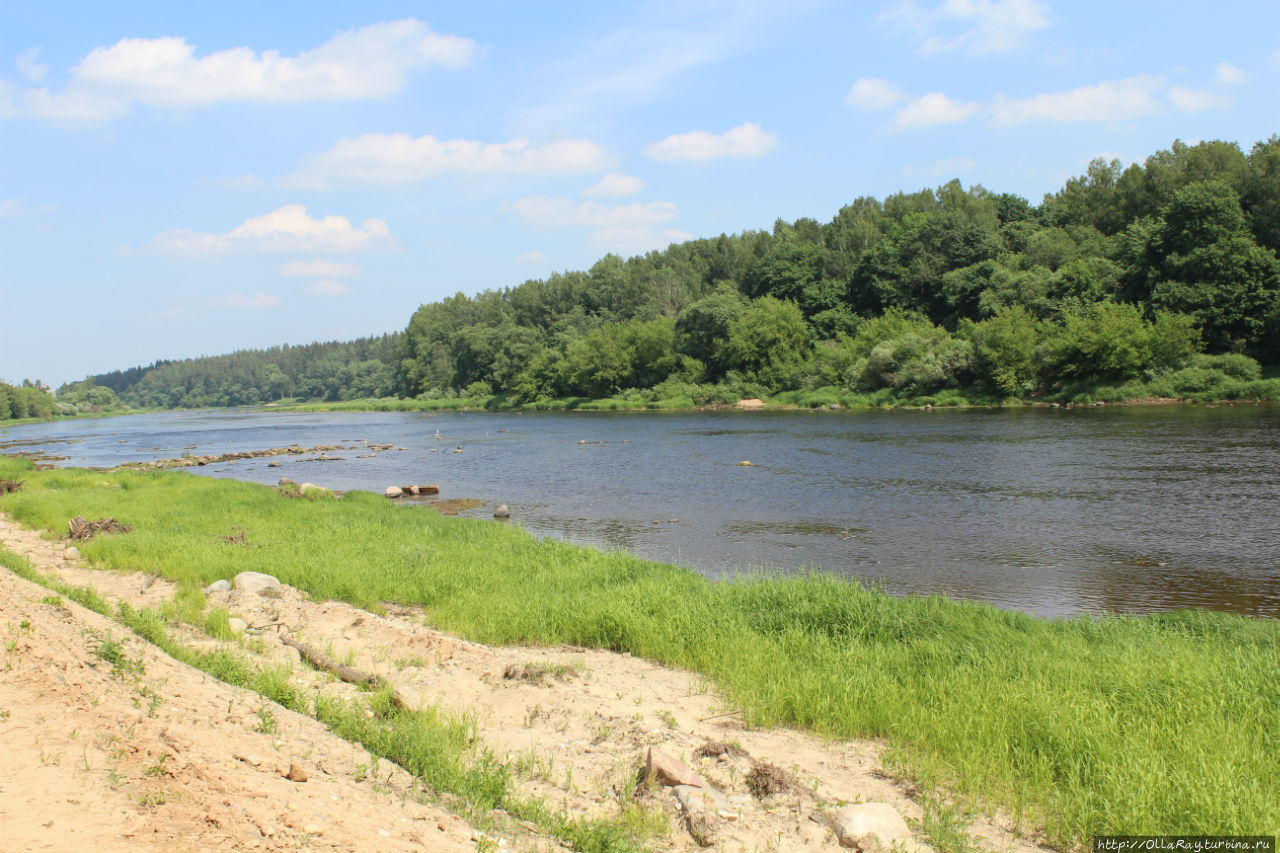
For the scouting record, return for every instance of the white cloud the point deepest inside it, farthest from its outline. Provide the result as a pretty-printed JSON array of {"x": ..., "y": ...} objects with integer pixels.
[
  {"x": 1229, "y": 75},
  {"x": 1190, "y": 100},
  {"x": 975, "y": 27},
  {"x": 1275, "y": 58},
  {"x": 328, "y": 287},
  {"x": 637, "y": 239},
  {"x": 394, "y": 158},
  {"x": 288, "y": 229},
  {"x": 560, "y": 212},
  {"x": 12, "y": 208},
  {"x": 745, "y": 140},
  {"x": 531, "y": 258},
  {"x": 31, "y": 70},
  {"x": 949, "y": 167},
  {"x": 239, "y": 300},
  {"x": 1112, "y": 100},
  {"x": 613, "y": 185},
  {"x": 319, "y": 269},
  {"x": 934, "y": 108},
  {"x": 873, "y": 93},
  {"x": 370, "y": 62}
]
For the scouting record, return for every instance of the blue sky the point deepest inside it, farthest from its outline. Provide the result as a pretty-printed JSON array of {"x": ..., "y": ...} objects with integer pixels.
[{"x": 179, "y": 181}]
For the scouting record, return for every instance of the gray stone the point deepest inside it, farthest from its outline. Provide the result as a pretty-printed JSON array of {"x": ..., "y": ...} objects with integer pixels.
[
  {"x": 223, "y": 585},
  {"x": 71, "y": 554},
  {"x": 273, "y": 464},
  {"x": 873, "y": 828},
  {"x": 285, "y": 481},
  {"x": 254, "y": 582},
  {"x": 393, "y": 491},
  {"x": 237, "y": 625},
  {"x": 501, "y": 511}
]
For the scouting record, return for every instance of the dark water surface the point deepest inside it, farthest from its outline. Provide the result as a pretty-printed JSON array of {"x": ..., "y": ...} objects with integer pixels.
[{"x": 1051, "y": 511}]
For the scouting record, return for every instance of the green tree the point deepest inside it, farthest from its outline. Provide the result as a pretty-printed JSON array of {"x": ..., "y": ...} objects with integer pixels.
[{"x": 767, "y": 342}]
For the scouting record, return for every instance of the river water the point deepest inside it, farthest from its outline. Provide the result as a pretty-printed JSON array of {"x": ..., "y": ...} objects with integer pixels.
[{"x": 1051, "y": 511}]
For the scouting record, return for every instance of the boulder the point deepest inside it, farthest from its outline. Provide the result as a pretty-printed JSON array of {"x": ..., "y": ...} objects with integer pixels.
[
  {"x": 71, "y": 554},
  {"x": 273, "y": 464},
  {"x": 237, "y": 625},
  {"x": 306, "y": 486},
  {"x": 393, "y": 491},
  {"x": 285, "y": 481},
  {"x": 254, "y": 582},
  {"x": 671, "y": 771},
  {"x": 873, "y": 828},
  {"x": 411, "y": 491},
  {"x": 428, "y": 490},
  {"x": 501, "y": 511},
  {"x": 223, "y": 585}
]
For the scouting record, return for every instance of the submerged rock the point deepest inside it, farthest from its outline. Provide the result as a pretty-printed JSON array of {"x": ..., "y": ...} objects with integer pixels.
[{"x": 501, "y": 511}]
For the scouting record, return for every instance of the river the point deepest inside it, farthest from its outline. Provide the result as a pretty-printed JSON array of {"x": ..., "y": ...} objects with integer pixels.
[{"x": 1052, "y": 511}]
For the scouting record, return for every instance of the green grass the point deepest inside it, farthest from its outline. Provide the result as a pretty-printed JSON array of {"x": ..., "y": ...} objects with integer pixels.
[{"x": 1117, "y": 725}]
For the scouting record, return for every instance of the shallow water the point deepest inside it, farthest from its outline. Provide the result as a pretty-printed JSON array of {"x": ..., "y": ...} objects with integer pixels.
[{"x": 1051, "y": 511}]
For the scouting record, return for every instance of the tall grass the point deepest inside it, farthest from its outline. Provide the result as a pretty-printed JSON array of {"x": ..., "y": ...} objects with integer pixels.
[{"x": 1124, "y": 725}]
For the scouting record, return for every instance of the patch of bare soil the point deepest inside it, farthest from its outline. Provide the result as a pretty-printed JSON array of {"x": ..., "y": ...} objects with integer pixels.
[{"x": 90, "y": 757}]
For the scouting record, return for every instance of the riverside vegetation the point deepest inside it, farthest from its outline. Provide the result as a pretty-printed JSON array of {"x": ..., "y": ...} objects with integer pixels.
[
  {"x": 1156, "y": 280},
  {"x": 1156, "y": 724}
]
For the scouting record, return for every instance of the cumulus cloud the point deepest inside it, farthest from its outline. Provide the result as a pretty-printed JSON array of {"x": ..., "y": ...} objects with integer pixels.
[
  {"x": 370, "y": 62},
  {"x": 1229, "y": 75},
  {"x": 531, "y": 258},
  {"x": 560, "y": 212},
  {"x": 934, "y": 108},
  {"x": 31, "y": 70},
  {"x": 1112, "y": 100},
  {"x": 394, "y": 158},
  {"x": 873, "y": 93},
  {"x": 328, "y": 287},
  {"x": 636, "y": 240},
  {"x": 239, "y": 300},
  {"x": 975, "y": 27},
  {"x": 613, "y": 185},
  {"x": 287, "y": 229},
  {"x": 745, "y": 140},
  {"x": 1190, "y": 100},
  {"x": 319, "y": 269}
]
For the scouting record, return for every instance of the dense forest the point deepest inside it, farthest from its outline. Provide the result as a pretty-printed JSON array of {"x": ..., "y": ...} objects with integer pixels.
[
  {"x": 319, "y": 371},
  {"x": 1163, "y": 273},
  {"x": 1159, "y": 279}
]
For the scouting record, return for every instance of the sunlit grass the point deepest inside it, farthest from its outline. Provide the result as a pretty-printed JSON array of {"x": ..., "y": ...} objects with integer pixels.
[{"x": 1157, "y": 724}]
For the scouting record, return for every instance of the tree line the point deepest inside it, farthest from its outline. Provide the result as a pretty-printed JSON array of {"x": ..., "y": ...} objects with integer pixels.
[{"x": 1157, "y": 278}]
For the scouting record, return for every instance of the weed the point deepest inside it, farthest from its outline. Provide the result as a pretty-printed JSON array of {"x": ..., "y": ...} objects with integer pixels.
[
  {"x": 267, "y": 724},
  {"x": 52, "y": 600}
]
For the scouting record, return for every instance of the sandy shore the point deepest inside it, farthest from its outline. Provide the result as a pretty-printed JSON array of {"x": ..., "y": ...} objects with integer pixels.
[{"x": 161, "y": 756}]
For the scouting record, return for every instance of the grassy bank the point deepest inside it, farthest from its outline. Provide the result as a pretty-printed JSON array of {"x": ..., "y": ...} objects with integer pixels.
[
  {"x": 1162, "y": 724},
  {"x": 1190, "y": 385}
]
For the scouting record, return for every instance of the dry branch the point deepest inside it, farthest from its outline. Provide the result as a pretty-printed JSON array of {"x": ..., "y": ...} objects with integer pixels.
[{"x": 349, "y": 674}]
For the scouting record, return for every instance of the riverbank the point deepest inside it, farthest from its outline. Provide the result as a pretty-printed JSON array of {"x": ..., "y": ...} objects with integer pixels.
[{"x": 1161, "y": 724}]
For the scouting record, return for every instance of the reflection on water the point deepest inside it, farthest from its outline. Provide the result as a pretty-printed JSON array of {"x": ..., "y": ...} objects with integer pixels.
[{"x": 1049, "y": 511}]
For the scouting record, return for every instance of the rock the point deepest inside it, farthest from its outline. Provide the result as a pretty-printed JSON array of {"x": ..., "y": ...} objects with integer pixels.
[
  {"x": 296, "y": 773},
  {"x": 745, "y": 463},
  {"x": 671, "y": 771},
  {"x": 237, "y": 625},
  {"x": 254, "y": 582},
  {"x": 285, "y": 481},
  {"x": 273, "y": 464},
  {"x": 428, "y": 490},
  {"x": 501, "y": 511},
  {"x": 223, "y": 585},
  {"x": 412, "y": 491},
  {"x": 872, "y": 828},
  {"x": 306, "y": 486},
  {"x": 393, "y": 491},
  {"x": 71, "y": 554}
]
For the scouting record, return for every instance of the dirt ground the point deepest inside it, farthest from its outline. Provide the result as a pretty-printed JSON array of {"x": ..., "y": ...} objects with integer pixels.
[{"x": 152, "y": 754}]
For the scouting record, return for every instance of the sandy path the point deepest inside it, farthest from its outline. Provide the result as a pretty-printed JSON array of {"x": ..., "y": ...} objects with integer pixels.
[{"x": 87, "y": 757}]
